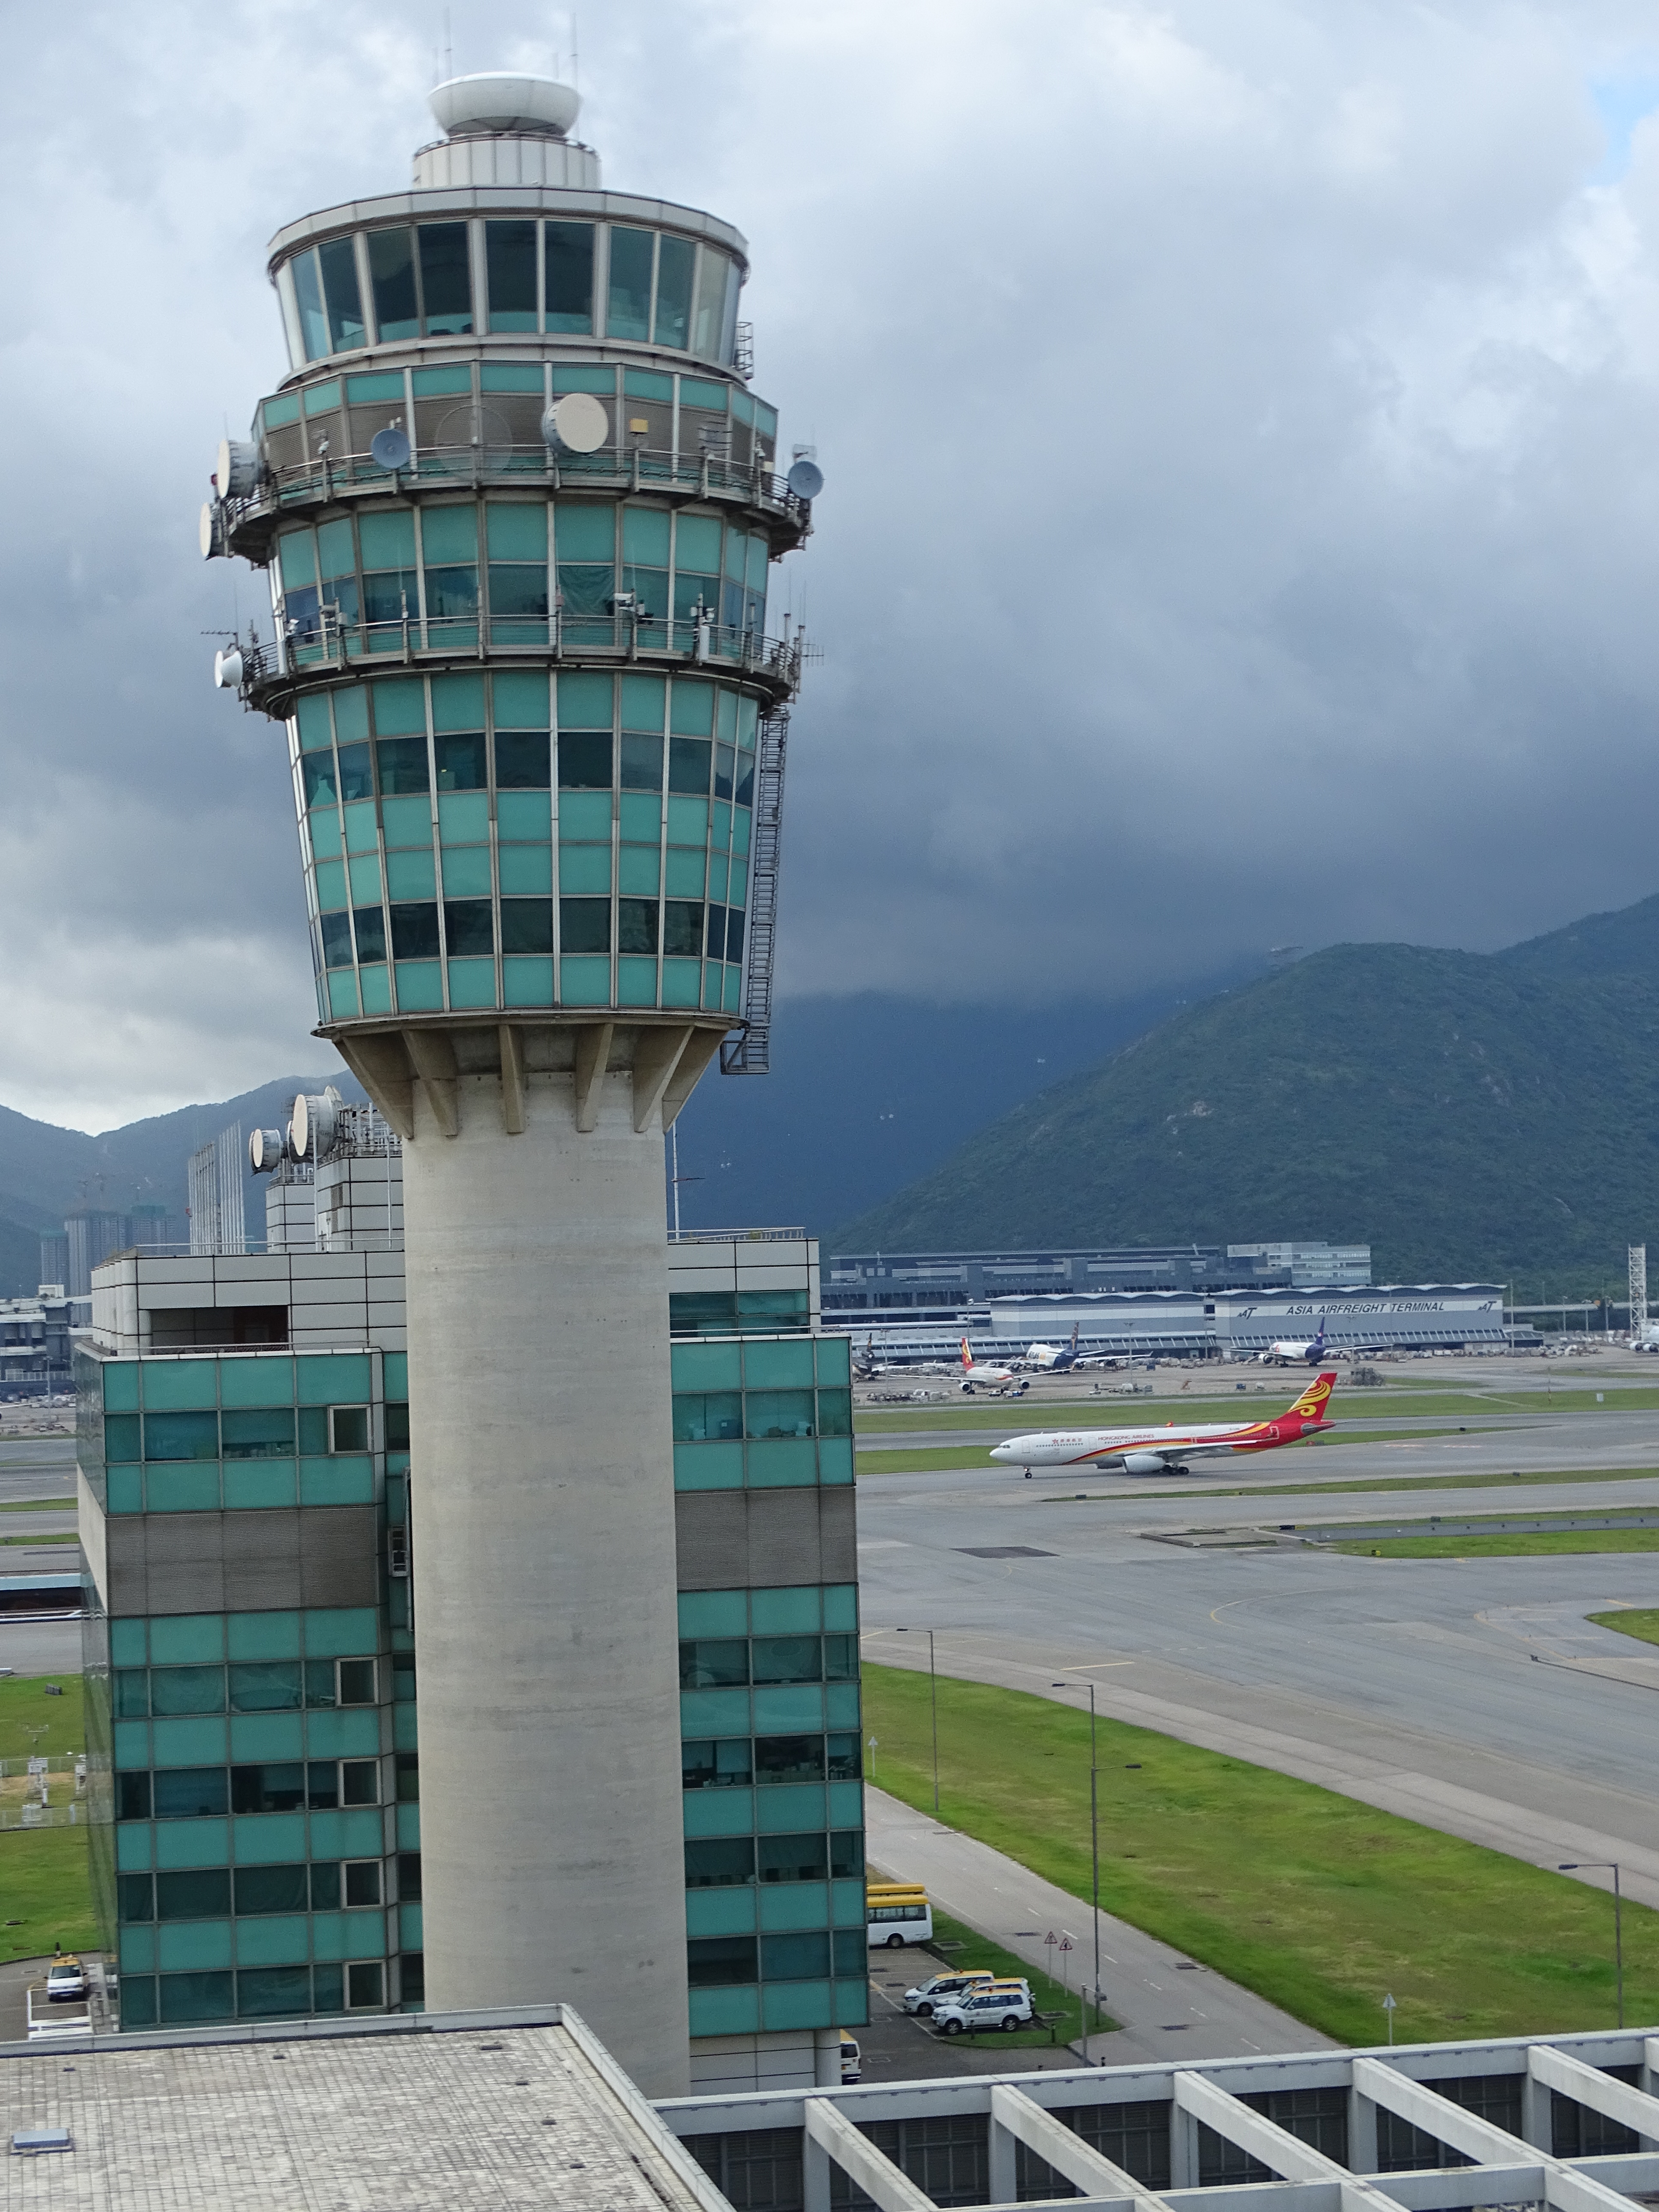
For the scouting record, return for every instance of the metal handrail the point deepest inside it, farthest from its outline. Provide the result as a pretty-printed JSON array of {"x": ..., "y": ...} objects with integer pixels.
[
  {"x": 446, "y": 467},
  {"x": 335, "y": 644}
]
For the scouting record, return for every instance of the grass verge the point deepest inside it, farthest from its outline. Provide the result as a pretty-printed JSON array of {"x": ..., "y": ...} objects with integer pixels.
[
  {"x": 47, "y": 1536},
  {"x": 1557, "y": 1542},
  {"x": 955, "y": 1945},
  {"x": 38, "y": 1505},
  {"x": 26, "y": 1708},
  {"x": 46, "y": 1892},
  {"x": 1320, "y": 1904},
  {"x": 1638, "y": 1620}
]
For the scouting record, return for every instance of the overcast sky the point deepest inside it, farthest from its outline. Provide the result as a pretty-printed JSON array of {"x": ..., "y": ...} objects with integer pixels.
[{"x": 1239, "y": 423}]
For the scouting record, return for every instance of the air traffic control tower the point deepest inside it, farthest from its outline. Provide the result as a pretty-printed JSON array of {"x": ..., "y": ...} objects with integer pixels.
[{"x": 519, "y": 507}]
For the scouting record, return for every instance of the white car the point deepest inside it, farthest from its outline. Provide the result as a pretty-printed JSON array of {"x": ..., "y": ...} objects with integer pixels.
[
  {"x": 928, "y": 1996},
  {"x": 1008, "y": 2005},
  {"x": 852, "y": 2064},
  {"x": 66, "y": 1982}
]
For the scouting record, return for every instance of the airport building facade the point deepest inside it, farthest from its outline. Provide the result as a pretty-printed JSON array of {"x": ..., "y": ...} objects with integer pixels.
[{"x": 938, "y": 1286}]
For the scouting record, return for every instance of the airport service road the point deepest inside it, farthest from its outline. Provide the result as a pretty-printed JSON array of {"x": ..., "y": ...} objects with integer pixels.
[
  {"x": 36, "y": 1466},
  {"x": 1469, "y": 1695}
]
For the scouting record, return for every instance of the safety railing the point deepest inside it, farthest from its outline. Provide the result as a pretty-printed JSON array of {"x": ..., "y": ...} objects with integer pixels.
[{"x": 446, "y": 468}]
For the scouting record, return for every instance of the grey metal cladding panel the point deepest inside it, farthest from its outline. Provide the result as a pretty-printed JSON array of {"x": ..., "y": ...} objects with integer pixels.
[
  {"x": 185, "y": 1540},
  {"x": 784, "y": 1544},
  {"x": 125, "y": 1571},
  {"x": 186, "y": 1589},
  {"x": 262, "y": 1561},
  {"x": 339, "y": 1555},
  {"x": 712, "y": 1536},
  {"x": 838, "y": 1528}
]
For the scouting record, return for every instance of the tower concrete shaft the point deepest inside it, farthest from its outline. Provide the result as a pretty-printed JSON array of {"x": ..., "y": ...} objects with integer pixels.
[{"x": 517, "y": 505}]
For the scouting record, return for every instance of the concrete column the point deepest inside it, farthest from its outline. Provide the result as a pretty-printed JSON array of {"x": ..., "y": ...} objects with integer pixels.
[{"x": 543, "y": 1513}]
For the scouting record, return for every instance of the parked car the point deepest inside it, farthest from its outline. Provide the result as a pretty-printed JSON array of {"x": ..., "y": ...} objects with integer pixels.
[
  {"x": 851, "y": 2063},
  {"x": 926, "y": 1997},
  {"x": 66, "y": 1981},
  {"x": 1005, "y": 2005}
]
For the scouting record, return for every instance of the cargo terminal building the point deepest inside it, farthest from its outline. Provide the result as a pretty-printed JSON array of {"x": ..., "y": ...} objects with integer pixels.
[{"x": 1219, "y": 1325}]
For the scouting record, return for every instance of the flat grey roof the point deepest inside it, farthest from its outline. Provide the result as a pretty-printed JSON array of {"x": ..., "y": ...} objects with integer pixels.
[{"x": 404, "y": 2112}]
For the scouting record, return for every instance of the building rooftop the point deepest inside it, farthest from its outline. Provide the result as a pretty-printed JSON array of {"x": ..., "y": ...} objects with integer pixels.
[{"x": 402, "y": 2112}]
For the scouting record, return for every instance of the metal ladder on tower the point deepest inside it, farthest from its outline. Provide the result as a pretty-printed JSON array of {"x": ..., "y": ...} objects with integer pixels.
[{"x": 748, "y": 1053}]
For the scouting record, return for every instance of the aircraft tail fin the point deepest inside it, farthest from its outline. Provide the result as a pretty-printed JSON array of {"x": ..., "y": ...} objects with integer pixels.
[
  {"x": 967, "y": 1356},
  {"x": 1312, "y": 1403}
]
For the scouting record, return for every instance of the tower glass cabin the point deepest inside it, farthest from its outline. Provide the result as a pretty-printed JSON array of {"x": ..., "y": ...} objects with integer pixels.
[{"x": 519, "y": 507}]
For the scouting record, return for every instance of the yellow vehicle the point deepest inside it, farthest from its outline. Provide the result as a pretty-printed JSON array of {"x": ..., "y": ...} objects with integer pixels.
[{"x": 897, "y": 1913}]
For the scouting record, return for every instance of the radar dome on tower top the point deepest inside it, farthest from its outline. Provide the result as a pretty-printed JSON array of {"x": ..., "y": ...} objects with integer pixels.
[{"x": 497, "y": 104}]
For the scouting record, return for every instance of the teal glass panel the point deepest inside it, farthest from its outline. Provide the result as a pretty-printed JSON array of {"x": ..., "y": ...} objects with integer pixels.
[
  {"x": 644, "y": 698},
  {"x": 640, "y": 817},
  {"x": 277, "y": 1940},
  {"x": 438, "y": 383},
  {"x": 284, "y": 408},
  {"x": 786, "y": 1365},
  {"x": 719, "y": 824},
  {"x": 688, "y": 821},
  {"x": 783, "y": 1463},
  {"x": 521, "y": 697},
  {"x": 420, "y": 987},
  {"x": 584, "y": 530},
  {"x": 352, "y": 1734},
  {"x": 332, "y": 885},
  {"x": 256, "y": 1382},
  {"x": 718, "y": 868},
  {"x": 848, "y": 1908},
  {"x": 585, "y": 814},
  {"x": 795, "y": 1904},
  {"x": 841, "y": 1609},
  {"x": 137, "y": 1950},
  {"x": 457, "y": 702},
  {"x": 120, "y": 1386},
  {"x": 648, "y": 384},
  {"x": 297, "y": 559},
  {"x": 798, "y": 2005},
  {"x": 718, "y": 1811},
  {"x": 585, "y": 700},
  {"x": 382, "y": 384},
  {"x": 726, "y": 724},
  {"x": 126, "y": 1642},
  {"x": 511, "y": 376},
  {"x": 851, "y": 2004},
  {"x": 348, "y": 1935},
  {"x": 464, "y": 817},
  {"x": 364, "y": 876},
  {"x": 732, "y": 993},
  {"x": 526, "y": 981},
  {"x": 714, "y": 1712},
  {"x": 792, "y": 1612},
  {"x": 131, "y": 1742},
  {"x": 410, "y": 1936},
  {"x": 743, "y": 407},
  {"x": 350, "y": 712},
  {"x": 715, "y": 1465},
  {"x": 376, "y": 986},
  {"x": 269, "y": 1838},
  {"x": 316, "y": 728},
  {"x": 471, "y": 983},
  {"x": 343, "y": 996},
  {"x": 399, "y": 701},
  {"x": 135, "y": 1846},
  {"x": 785, "y": 1709},
  {"x": 395, "y": 1375},
  {"x": 408, "y": 1827},
  {"x": 841, "y": 1704},
  {"x": 702, "y": 392},
  {"x": 584, "y": 868},
  {"x": 740, "y": 829},
  {"x": 585, "y": 980},
  {"x": 321, "y": 397},
  {"x": 174, "y": 1385},
  {"x": 525, "y": 814},
  {"x": 719, "y": 1912},
  {"x": 692, "y": 707},
  {"x": 411, "y": 875},
  {"x": 639, "y": 871},
  {"x": 705, "y": 1366},
  {"x": 335, "y": 554},
  {"x": 581, "y": 376},
  {"x": 645, "y": 542},
  {"x": 182, "y": 1487},
  {"x": 193, "y": 1945},
  {"x": 515, "y": 530},
  {"x": 835, "y": 1459},
  {"x": 467, "y": 871},
  {"x": 265, "y": 1736},
  {"x": 361, "y": 834},
  {"x": 527, "y": 871},
  {"x": 405, "y": 1734},
  {"x": 724, "y": 2012},
  {"x": 834, "y": 1363},
  {"x": 406, "y": 822},
  {"x": 200, "y": 1742},
  {"x": 333, "y": 1378},
  {"x": 713, "y": 1613},
  {"x": 684, "y": 869},
  {"x": 680, "y": 982},
  {"x": 263, "y": 1635},
  {"x": 636, "y": 982},
  {"x": 345, "y": 1632},
  {"x": 183, "y": 1844},
  {"x": 124, "y": 1490}
]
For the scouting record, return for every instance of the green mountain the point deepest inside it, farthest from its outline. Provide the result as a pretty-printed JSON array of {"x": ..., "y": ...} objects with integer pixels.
[{"x": 1473, "y": 1116}]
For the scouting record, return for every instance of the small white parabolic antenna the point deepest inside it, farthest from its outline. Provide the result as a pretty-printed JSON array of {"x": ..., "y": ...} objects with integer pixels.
[
  {"x": 390, "y": 448},
  {"x": 806, "y": 479},
  {"x": 577, "y": 423},
  {"x": 227, "y": 668},
  {"x": 264, "y": 1148}
]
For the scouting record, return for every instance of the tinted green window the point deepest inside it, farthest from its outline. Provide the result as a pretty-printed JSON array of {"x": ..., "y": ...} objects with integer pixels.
[
  {"x": 271, "y": 1889},
  {"x": 840, "y": 1658},
  {"x": 526, "y": 926},
  {"x": 267, "y": 1687},
  {"x": 391, "y": 274},
  {"x": 469, "y": 927},
  {"x": 787, "y": 1659},
  {"x": 388, "y": 542},
  {"x": 313, "y": 323},
  {"x": 708, "y": 1663},
  {"x": 181, "y": 1435},
  {"x": 265, "y": 1432},
  {"x": 803, "y": 1957},
  {"x": 510, "y": 257},
  {"x": 402, "y": 765},
  {"x": 131, "y": 1694},
  {"x": 637, "y": 925},
  {"x": 718, "y": 1763},
  {"x": 446, "y": 280},
  {"x": 516, "y": 533},
  {"x": 719, "y": 1861},
  {"x": 835, "y": 1412},
  {"x": 629, "y": 315},
  {"x": 699, "y": 1415},
  {"x": 189, "y": 1793},
  {"x": 461, "y": 761},
  {"x": 585, "y": 924},
  {"x": 675, "y": 256},
  {"x": 584, "y": 530},
  {"x": 521, "y": 700},
  {"x": 689, "y": 760},
  {"x": 523, "y": 760},
  {"x": 722, "y": 1962},
  {"x": 779, "y": 1412},
  {"x": 567, "y": 257},
  {"x": 174, "y": 1690},
  {"x": 793, "y": 1859},
  {"x": 642, "y": 762},
  {"x": 415, "y": 933},
  {"x": 338, "y": 260},
  {"x": 683, "y": 927},
  {"x": 584, "y": 762},
  {"x": 204, "y": 1894}
]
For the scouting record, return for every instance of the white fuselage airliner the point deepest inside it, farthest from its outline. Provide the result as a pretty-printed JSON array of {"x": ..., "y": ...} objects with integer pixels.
[{"x": 1166, "y": 1450}]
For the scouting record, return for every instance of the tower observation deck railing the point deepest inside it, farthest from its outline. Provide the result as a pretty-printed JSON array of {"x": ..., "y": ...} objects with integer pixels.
[
  {"x": 271, "y": 669},
  {"x": 250, "y": 522}
]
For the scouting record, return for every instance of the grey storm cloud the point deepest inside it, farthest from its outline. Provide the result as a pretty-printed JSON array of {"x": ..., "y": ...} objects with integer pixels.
[{"x": 1238, "y": 420}]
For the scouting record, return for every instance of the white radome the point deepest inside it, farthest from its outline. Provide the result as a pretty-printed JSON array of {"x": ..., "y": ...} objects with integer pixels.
[{"x": 493, "y": 101}]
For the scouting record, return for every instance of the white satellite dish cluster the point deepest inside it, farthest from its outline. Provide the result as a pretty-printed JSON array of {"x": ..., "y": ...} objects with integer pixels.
[{"x": 313, "y": 1129}]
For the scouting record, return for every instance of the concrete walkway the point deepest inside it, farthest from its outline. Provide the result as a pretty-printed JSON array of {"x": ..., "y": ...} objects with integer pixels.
[{"x": 1169, "y": 2008}]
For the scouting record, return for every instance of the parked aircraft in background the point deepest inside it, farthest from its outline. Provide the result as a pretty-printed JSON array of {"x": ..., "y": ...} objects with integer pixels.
[
  {"x": 1052, "y": 1358},
  {"x": 1166, "y": 1450},
  {"x": 977, "y": 1376},
  {"x": 1291, "y": 1351}
]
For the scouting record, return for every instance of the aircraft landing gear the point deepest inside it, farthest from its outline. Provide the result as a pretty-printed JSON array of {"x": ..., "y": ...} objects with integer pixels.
[{"x": 1027, "y": 1475}]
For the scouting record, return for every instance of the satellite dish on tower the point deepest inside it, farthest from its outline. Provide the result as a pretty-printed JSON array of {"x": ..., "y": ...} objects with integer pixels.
[
  {"x": 313, "y": 1125},
  {"x": 806, "y": 479},
  {"x": 264, "y": 1150},
  {"x": 238, "y": 468},
  {"x": 213, "y": 529},
  {"x": 576, "y": 424},
  {"x": 227, "y": 668},
  {"x": 390, "y": 448}
]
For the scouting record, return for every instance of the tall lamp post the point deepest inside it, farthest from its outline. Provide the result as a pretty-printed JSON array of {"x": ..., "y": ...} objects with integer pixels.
[
  {"x": 1094, "y": 1839},
  {"x": 1572, "y": 1866},
  {"x": 933, "y": 1688}
]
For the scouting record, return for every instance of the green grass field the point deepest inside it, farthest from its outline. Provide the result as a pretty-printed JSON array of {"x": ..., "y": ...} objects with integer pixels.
[
  {"x": 50, "y": 1537},
  {"x": 956, "y": 1945},
  {"x": 24, "y": 1707},
  {"x": 46, "y": 1885},
  {"x": 64, "y": 1505},
  {"x": 1639, "y": 1622},
  {"x": 1318, "y": 1902},
  {"x": 1519, "y": 1546}
]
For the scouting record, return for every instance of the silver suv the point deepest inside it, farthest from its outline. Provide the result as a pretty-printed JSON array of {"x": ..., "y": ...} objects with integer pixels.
[
  {"x": 1005, "y": 2005},
  {"x": 926, "y": 1997}
]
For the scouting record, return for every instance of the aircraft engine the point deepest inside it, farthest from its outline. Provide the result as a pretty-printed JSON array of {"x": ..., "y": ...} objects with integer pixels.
[{"x": 1143, "y": 1463}]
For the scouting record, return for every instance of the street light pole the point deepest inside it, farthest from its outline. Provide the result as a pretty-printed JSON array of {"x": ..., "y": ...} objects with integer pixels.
[
  {"x": 1094, "y": 1847},
  {"x": 933, "y": 1688},
  {"x": 1572, "y": 1866}
]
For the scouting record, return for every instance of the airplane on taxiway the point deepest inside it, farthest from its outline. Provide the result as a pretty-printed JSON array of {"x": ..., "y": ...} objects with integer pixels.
[
  {"x": 1292, "y": 1350},
  {"x": 1166, "y": 1450},
  {"x": 976, "y": 1375}
]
